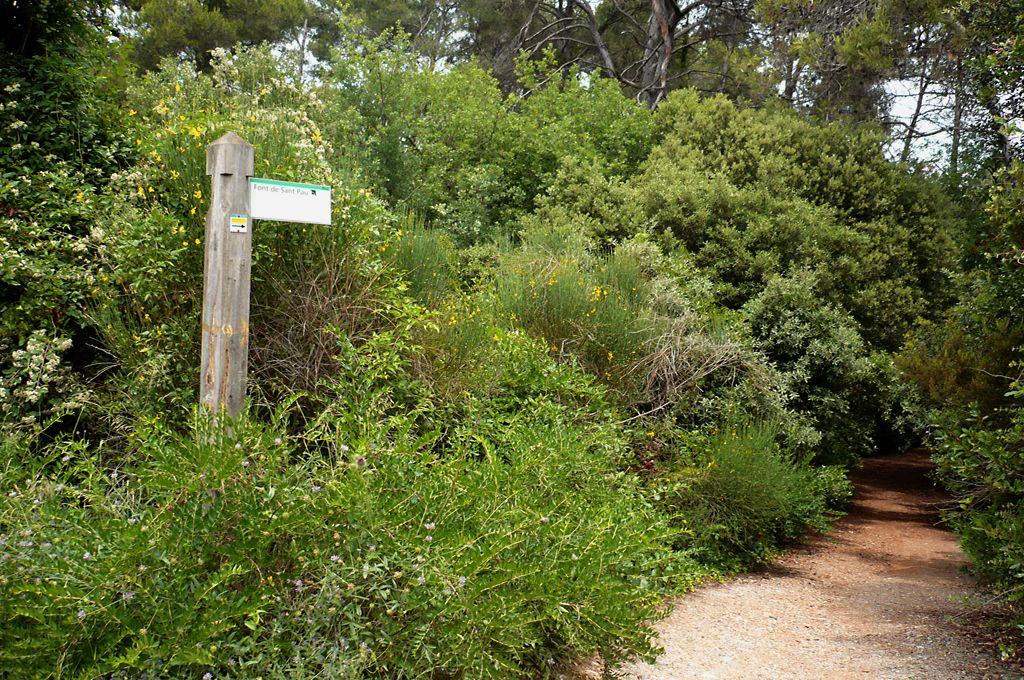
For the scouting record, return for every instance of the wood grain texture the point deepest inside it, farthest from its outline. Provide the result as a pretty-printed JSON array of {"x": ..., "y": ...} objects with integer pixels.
[{"x": 226, "y": 277}]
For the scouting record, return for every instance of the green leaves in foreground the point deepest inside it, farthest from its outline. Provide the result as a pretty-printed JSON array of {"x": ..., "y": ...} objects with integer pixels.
[{"x": 509, "y": 546}]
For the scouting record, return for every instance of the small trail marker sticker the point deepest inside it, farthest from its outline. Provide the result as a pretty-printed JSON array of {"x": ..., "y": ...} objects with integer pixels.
[
  {"x": 271, "y": 199},
  {"x": 239, "y": 224}
]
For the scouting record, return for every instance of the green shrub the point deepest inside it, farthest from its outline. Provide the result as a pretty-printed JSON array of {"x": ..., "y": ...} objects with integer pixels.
[
  {"x": 980, "y": 462},
  {"x": 756, "y": 193},
  {"x": 511, "y": 543},
  {"x": 750, "y": 198},
  {"x": 854, "y": 398},
  {"x": 968, "y": 367},
  {"x": 737, "y": 497},
  {"x": 428, "y": 261},
  {"x": 621, "y": 317},
  {"x": 831, "y": 483}
]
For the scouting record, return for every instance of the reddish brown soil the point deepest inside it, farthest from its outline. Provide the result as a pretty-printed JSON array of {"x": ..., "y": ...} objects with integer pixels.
[{"x": 879, "y": 597}]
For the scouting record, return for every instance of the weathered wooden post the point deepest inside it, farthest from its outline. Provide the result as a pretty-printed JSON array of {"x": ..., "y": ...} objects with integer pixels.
[{"x": 226, "y": 276}]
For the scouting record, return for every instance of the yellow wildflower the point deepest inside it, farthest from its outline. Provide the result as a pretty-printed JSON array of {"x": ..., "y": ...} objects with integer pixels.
[
  {"x": 174, "y": 174},
  {"x": 197, "y": 194},
  {"x": 131, "y": 112},
  {"x": 198, "y": 241}
]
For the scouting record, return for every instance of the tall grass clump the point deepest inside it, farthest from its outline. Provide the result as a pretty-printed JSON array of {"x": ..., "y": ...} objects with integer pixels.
[
  {"x": 635, "y": 328},
  {"x": 427, "y": 259}
]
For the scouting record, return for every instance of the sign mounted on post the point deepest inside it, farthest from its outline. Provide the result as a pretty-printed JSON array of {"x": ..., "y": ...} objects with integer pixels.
[
  {"x": 239, "y": 224},
  {"x": 270, "y": 199}
]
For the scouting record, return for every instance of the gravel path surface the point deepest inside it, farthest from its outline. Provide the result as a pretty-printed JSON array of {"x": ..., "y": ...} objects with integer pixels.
[{"x": 873, "y": 599}]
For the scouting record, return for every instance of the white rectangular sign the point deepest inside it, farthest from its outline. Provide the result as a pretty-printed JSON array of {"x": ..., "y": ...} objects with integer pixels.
[{"x": 270, "y": 199}]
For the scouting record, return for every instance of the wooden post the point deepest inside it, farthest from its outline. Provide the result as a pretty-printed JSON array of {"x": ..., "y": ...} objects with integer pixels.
[{"x": 226, "y": 276}]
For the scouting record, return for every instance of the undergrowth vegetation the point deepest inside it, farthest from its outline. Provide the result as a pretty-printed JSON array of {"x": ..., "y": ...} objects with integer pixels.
[
  {"x": 557, "y": 357},
  {"x": 969, "y": 364}
]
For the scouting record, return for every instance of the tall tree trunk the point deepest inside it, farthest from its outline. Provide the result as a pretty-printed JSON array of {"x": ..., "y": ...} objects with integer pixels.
[
  {"x": 595, "y": 33},
  {"x": 661, "y": 28}
]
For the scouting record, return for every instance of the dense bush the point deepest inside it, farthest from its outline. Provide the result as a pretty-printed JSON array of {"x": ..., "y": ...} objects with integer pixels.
[
  {"x": 736, "y": 496},
  {"x": 491, "y": 550},
  {"x": 754, "y": 193},
  {"x": 854, "y": 397},
  {"x": 981, "y": 463},
  {"x": 968, "y": 365},
  {"x": 58, "y": 146},
  {"x": 756, "y": 200}
]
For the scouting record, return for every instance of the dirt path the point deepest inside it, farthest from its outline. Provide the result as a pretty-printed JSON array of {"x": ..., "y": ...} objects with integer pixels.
[{"x": 872, "y": 600}]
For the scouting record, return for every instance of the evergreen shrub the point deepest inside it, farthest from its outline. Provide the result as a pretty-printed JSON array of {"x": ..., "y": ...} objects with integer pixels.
[
  {"x": 737, "y": 496},
  {"x": 514, "y": 543}
]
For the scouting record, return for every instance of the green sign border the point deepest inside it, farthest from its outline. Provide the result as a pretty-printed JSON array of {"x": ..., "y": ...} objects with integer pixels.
[{"x": 276, "y": 182}]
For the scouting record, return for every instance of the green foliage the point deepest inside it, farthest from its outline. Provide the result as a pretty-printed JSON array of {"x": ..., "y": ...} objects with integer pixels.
[
  {"x": 980, "y": 462},
  {"x": 826, "y": 367},
  {"x": 451, "y": 147},
  {"x": 621, "y": 318},
  {"x": 438, "y": 474},
  {"x": 965, "y": 357},
  {"x": 307, "y": 280},
  {"x": 193, "y": 28},
  {"x": 736, "y": 496},
  {"x": 428, "y": 260},
  {"x": 51, "y": 102},
  {"x": 968, "y": 365},
  {"x": 765, "y": 203},
  {"x": 513, "y": 543},
  {"x": 881, "y": 237},
  {"x": 57, "y": 148}
]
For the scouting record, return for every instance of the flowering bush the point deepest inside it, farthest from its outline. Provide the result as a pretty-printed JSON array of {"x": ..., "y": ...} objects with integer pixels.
[{"x": 49, "y": 275}]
